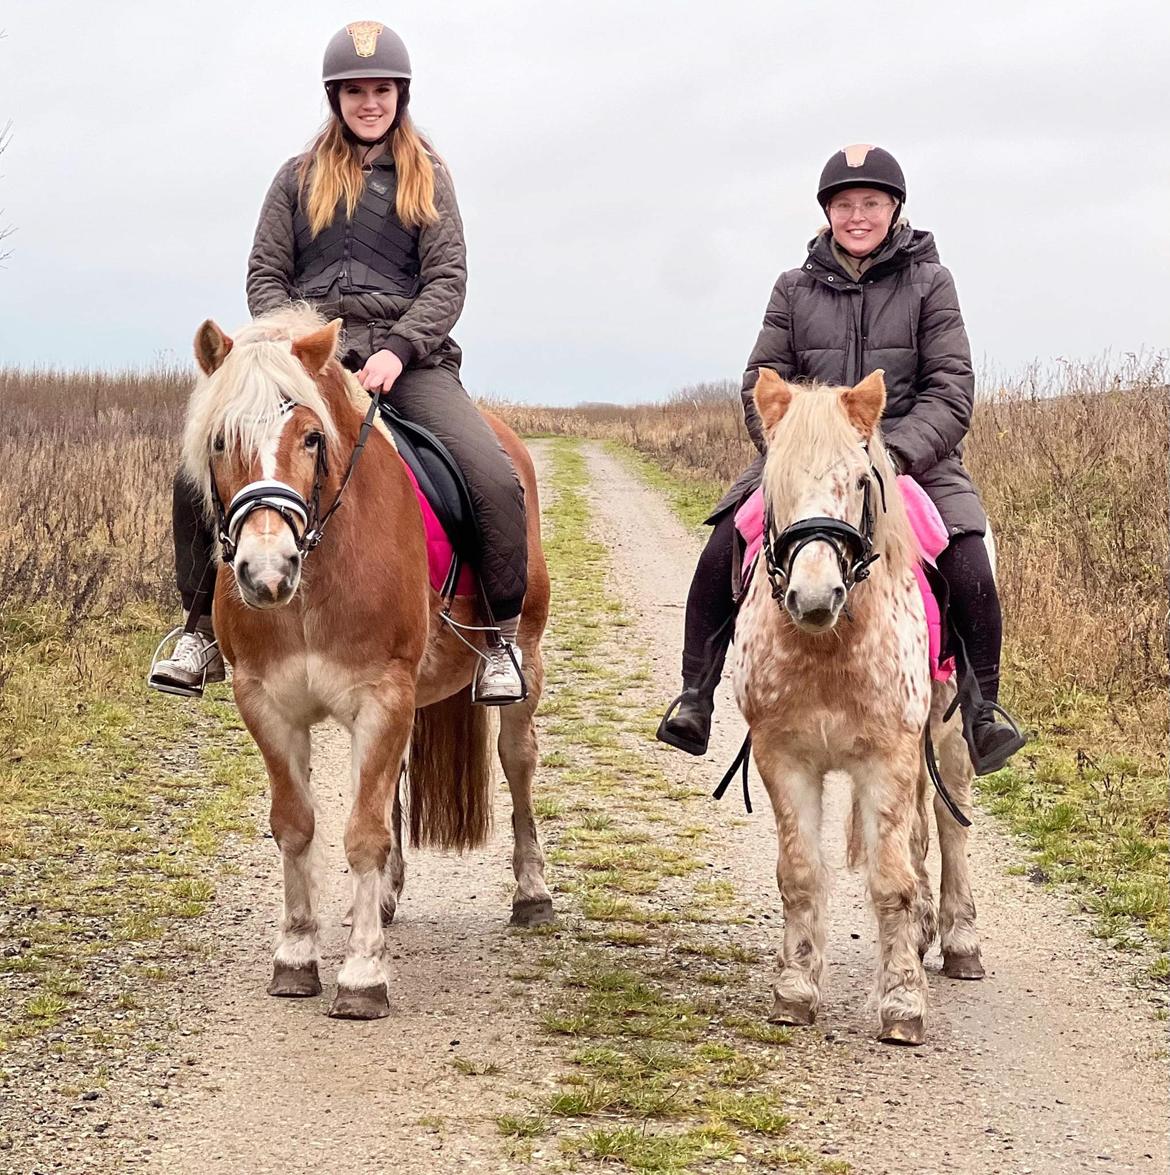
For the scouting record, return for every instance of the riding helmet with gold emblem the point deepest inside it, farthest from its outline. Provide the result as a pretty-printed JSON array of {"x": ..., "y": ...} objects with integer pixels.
[{"x": 366, "y": 49}]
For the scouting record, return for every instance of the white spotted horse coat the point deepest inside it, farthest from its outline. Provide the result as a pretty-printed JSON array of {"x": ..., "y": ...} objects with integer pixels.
[{"x": 831, "y": 669}]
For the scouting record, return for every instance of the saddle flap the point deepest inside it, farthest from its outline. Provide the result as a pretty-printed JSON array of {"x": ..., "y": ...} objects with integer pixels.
[{"x": 439, "y": 480}]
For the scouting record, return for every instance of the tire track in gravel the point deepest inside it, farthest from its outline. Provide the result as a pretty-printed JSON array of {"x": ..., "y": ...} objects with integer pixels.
[{"x": 1054, "y": 1063}]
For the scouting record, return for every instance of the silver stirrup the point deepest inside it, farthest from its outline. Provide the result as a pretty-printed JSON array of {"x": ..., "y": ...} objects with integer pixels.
[{"x": 166, "y": 686}]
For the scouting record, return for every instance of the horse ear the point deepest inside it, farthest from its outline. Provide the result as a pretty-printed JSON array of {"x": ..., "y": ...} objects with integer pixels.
[
  {"x": 315, "y": 350},
  {"x": 211, "y": 347},
  {"x": 866, "y": 402},
  {"x": 772, "y": 396}
]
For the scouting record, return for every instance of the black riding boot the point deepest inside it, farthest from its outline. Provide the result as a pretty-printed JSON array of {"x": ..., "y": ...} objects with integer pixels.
[
  {"x": 991, "y": 733},
  {"x": 709, "y": 625}
]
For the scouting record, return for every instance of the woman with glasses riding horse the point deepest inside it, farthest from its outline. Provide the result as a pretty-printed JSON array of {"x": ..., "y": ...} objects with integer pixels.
[{"x": 870, "y": 294}]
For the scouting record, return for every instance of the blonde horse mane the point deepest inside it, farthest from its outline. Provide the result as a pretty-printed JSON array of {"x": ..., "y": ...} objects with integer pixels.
[
  {"x": 813, "y": 436},
  {"x": 243, "y": 398}
]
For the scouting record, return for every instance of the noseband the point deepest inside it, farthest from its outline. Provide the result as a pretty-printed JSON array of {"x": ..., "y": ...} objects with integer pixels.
[
  {"x": 852, "y": 545},
  {"x": 286, "y": 501}
]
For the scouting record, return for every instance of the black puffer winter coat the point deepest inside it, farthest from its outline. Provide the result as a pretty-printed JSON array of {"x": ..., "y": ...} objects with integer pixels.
[{"x": 902, "y": 315}]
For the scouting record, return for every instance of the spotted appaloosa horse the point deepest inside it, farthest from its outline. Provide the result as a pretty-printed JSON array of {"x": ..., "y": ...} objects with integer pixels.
[
  {"x": 821, "y": 694},
  {"x": 350, "y": 631}
]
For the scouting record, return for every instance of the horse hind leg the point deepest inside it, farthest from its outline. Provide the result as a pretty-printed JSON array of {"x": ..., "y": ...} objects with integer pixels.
[
  {"x": 531, "y": 903},
  {"x": 925, "y": 914},
  {"x": 394, "y": 871},
  {"x": 958, "y": 935}
]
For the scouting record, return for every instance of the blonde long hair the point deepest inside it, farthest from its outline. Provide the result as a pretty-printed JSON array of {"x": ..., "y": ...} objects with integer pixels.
[{"x": 330, "y": 170}]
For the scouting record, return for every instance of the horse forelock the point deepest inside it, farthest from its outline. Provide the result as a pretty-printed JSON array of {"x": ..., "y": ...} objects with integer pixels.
[
  {"x": 246, "y": 398},
  {"x": 814, "y": 436}
]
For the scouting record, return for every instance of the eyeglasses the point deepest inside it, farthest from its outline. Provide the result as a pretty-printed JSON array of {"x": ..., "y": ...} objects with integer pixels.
[{"x": 841, "y": 209}]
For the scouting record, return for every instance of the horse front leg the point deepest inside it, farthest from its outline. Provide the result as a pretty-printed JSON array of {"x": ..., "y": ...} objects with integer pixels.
[
  {"x": 887, "y": 799},
  {"x": 958, "y": 936},
  {"x": 532, "y": 902},
  {"x": 379, "y": 734},
  {"x": 797, "y": 794},
  {"x": 285, "y": 746}
]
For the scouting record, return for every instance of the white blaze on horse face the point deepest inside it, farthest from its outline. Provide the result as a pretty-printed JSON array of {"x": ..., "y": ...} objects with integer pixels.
[
  {"x": 268, "y": 564},
  {"x": 816, "y": 590}
]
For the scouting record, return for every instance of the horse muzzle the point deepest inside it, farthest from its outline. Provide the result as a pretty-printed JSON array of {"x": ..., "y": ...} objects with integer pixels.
[
  {"x": 816, "y": 610},
  {"x": 268, "y": 580}
]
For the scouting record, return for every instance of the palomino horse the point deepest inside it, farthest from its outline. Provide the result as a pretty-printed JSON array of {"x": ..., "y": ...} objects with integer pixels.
[
  {"x": 350, "y": 630},
  {"x": 822, "y": 696}
]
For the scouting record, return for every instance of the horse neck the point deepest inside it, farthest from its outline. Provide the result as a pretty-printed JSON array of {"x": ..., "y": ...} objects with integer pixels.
[{"x": 377, "y": 505}]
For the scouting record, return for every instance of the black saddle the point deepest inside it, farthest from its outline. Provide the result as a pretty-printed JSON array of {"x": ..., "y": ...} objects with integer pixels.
[{"x": 441, "y": 481}]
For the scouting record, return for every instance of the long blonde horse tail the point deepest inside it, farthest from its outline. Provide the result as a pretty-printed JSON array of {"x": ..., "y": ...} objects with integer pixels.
[{"x": 450, "y": 775}]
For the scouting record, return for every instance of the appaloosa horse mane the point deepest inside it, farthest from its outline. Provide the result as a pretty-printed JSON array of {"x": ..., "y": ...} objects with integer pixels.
[{"x": 329, "y": 613}]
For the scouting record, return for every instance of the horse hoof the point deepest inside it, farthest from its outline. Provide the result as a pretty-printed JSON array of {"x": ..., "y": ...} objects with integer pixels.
[
  {"x": 798, "y": 1015},
  {"x": 956, "y": 966},
  {"x": 294, "y": 982},
  {"x": 532, "y": 912},
  {"x": 360, "y": 1003},
  {"x": 903, "y": 1032}
]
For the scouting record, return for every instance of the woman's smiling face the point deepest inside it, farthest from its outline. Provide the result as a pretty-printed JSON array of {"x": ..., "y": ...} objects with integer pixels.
[
  {"x": 368, "y": 106},
  {"x": 860, "y": 219}
]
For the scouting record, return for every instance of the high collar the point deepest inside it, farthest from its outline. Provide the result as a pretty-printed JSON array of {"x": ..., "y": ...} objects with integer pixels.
[{"x": 904, "y": 245}]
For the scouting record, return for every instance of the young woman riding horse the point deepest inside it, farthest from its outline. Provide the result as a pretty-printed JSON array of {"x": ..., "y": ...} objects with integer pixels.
[
  {"x": 871, "y": 294},
  {"x": 326, "y": 610},
  {"x": 365, "y": 226}
]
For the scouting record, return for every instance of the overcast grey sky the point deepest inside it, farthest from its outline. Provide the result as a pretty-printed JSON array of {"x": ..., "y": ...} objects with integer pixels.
[{"x": 633, "y": 175}]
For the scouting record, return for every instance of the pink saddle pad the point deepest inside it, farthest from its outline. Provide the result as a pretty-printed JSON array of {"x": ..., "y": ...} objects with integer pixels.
[
  {"x": 930, "y": 532},
  {"x": 439, "y": 549}
]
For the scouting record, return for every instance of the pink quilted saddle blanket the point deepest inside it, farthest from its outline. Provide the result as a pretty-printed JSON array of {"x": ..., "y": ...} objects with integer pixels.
[
  {"x": 439, "y": 549},
  {"x": 929, "y": 530}
]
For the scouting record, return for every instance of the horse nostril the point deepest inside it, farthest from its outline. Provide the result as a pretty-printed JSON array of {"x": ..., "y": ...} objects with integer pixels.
[
  {"x": 791, "y": 601},
  {"x": 838, "y": 598}
]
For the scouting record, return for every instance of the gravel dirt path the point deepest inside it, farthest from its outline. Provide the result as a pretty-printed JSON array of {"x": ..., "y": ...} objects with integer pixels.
[{"x": 1054, "y": 1063}]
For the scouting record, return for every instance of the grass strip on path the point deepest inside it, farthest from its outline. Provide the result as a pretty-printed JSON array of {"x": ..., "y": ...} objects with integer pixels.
[{"x": 635, "y": 986}]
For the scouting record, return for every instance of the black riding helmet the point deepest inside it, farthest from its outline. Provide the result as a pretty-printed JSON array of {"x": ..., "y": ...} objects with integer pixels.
[
  {"x": 366, "y": 49},
  {"x": 861, "y": 166}
]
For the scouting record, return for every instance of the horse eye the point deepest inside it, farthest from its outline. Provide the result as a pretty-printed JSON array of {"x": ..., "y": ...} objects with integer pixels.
[
  {"x": 217, "y": 445},
  {"x": 313, "y": 440},
  {"x": 863, "y": 481}
]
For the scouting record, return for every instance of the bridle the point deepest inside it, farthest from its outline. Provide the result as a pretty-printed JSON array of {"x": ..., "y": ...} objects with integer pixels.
[
  {"x": 852, "y": 545},
  {"x": 289, "y": 504}
]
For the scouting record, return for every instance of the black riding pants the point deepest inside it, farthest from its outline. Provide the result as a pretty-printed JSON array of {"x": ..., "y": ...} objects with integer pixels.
[
  {"x": 434, "y": 398},
  {"x": 974, "y": 606}
]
